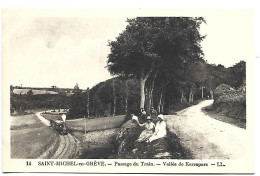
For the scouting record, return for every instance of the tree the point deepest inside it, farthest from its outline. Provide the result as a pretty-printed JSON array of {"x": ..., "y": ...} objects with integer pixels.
[
  {"x": 88, "y": 93},
  {"x": 131, "y": 54},
  {"x": 149, "y": 45},
  {"x": 238, "y": 73},
  {"x": 114, "y": 97},
  {"x": 126, "y": 96},
  {"x": 11, "y": 88},
  {"x": 76, "y": 88},
  {"x": 77, "y": 106},
  {"x": 197, "y": 72}
]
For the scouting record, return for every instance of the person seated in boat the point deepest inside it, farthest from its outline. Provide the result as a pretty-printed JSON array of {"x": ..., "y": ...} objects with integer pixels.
[
  {"x": 160, "y": 129},
  {"x": 148, "y": 131}
]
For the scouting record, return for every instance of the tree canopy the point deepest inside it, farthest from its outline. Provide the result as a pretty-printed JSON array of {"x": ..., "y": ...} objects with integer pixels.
[{"x": 155, "y": 44}]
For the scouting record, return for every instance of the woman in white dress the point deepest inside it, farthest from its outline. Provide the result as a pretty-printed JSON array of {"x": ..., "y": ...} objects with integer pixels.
[
  {"x": 148, "y": 131},
  {"x": 160, "y": 129}
]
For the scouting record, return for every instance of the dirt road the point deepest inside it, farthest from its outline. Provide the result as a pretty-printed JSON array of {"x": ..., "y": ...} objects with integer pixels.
[
  {"x": 43, "y": 120},
  {"x": 205, "y": 137}
]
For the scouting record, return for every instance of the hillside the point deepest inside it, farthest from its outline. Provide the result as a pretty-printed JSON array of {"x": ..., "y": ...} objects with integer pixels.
[
  {"x": 121, "y": 95},
  {"x": 230, "y": 102}
]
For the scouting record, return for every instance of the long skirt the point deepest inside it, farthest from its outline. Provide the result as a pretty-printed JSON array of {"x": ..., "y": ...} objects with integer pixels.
[{"x": 146, "y": 134}]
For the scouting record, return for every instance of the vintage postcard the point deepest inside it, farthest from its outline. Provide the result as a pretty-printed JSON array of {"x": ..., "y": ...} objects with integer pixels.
[{"x": 128, "y": 91}]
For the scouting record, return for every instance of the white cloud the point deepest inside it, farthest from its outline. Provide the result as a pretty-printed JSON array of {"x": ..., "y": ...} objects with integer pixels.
[
  {"x": 69, "y": 50},
  {"x": 62, "y": 51}
]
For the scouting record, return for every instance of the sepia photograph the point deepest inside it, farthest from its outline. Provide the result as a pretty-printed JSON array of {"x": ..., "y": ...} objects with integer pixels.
[{"x": 125, "y": 85}]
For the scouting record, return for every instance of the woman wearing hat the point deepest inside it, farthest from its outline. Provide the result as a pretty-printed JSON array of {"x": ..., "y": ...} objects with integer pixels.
[
  {"x": 160, "y": 129},
  {"x": 149, "y": 129}
]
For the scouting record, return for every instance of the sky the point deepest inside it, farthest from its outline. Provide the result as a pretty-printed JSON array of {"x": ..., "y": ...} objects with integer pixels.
[
  {"x": 229, "y": 38},
  {"x": 62, "y": 50}
]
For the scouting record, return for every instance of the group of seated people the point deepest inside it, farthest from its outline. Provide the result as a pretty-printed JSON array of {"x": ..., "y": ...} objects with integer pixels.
[{"x": 151, "y": 131}]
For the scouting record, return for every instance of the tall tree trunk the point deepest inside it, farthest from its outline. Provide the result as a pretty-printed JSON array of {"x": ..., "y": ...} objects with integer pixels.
[
  {"x": 162, "y": 107},
  {"x": 110, "y": 110},
  {"x": 191, "y": 96},
  {"x": 114, "y": 98},
  {"x": 202, "y": 92},
  {"x": 146, "y": 98},
  {"x": 148, "y": 104},
  {"x": 211, "y": 93},
  {"x": 126, "y": 96},
  {"x": 142, "y": 101},
  {"x": 152, "y": 100},
  {"x": 151, "y": 92},
  {"x": 183, "y": 98},
  {"x": 143, "y": 80},
  {"x": 88, "y": 93},
  {"x": 160, "y": 103}
]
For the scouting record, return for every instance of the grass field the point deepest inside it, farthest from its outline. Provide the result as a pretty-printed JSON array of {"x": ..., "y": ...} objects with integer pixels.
[
  {"x": 30, "y": 143},
  {"x": 51, "y": 116},
  {"x": 95, "y": 124},
  {"x": 29, "y": 137},
  {"x": 25, "y": 121},
  {"x": 218, "y": 116},
  {"x": 91, "y": 124}
]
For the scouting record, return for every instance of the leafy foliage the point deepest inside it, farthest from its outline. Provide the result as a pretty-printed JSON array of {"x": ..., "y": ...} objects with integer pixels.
[
  {"x": 101, "y": 99},
  {"x": 151, "y": 46}
]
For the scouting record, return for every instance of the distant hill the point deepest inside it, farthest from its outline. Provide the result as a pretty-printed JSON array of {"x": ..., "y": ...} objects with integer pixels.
[
  {"x": 24, "y": 99},
  {"x": 40, "y": 90},
  {"x": 33, "y": 92}
]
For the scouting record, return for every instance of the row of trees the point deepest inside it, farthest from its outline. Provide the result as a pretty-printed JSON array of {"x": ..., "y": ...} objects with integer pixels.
[
  {"x": 155, "y": 62},
  {"x": 156, "y": 51},
  {"x": 158, "y": 62},
  {"x": 164, "y": 54},
  {"x": 112, "y": 97},
  {"x": 121, "y": 95},
  {"x": 22, "y": 103}
]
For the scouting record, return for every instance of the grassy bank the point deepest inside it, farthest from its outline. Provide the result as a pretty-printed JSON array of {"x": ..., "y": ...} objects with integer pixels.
[
  {"x": 163, "y": 148},
  {"x": 32, "y": 142},
  {"x": 29, "y": 137},
  {"x": 97, "y": 144},
  {"x": 241, "y": 123},
  {"x": 25, "y": 121},
  {"x": 230, "y": 102},
  {"x": 99, "y": 140},
  {"x": 95, "y": 124}
]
